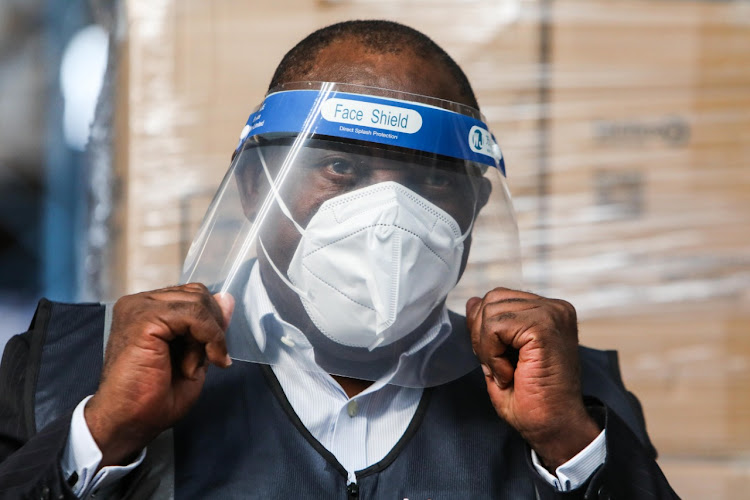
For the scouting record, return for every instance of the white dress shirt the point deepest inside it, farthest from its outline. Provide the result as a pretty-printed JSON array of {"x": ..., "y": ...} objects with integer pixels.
[{"x": 375, "y": 419}]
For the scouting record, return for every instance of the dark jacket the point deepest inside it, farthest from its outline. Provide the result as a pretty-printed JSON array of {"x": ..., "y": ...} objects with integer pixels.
[{"x": 455, "y": 447}]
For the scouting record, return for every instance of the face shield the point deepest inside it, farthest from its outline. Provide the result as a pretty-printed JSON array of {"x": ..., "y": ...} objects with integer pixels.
[{"x": 344, "y": 222}]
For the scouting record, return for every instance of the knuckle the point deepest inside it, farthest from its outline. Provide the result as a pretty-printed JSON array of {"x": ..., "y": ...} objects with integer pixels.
[
  {"x": 485, "y": 313},
  {"x": 206, "y": 301},
  {"x": 196, "y": 286},
  {"x": 558, "y": 305},
  {"x": 124, "y": 304},
  {"x": 121, "y": 304},
  {"x": 206, "y": 322},
  {"x": 199, "y": 311},
  {"x": 505, "y": 316},
  {"x": 202, "y": 295},
  {"x": 565, "y": 305},
  {"x": 193, "y": 310},
  {"x": 567, "y": 309}
]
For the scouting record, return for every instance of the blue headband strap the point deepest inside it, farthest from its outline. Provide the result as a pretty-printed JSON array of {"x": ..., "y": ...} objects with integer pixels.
[{"x": 376, "y": 119}]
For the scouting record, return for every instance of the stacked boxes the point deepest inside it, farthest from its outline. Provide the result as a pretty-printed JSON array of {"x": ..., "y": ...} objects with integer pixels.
[
  {"x": 649, "y": 211},
  {"x": 626, "y": 130}
]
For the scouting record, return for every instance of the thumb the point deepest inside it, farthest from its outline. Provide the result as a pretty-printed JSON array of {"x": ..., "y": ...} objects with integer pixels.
[{"x": 226, "y": 304}]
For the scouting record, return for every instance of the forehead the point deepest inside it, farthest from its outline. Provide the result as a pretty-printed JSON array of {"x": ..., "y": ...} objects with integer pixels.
[{"x": 348, "y": 61}]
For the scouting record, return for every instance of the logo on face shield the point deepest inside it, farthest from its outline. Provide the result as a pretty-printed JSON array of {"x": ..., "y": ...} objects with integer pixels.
[
  {"x": 480, "y": 141},
  {"x": 477, "y": 138}
]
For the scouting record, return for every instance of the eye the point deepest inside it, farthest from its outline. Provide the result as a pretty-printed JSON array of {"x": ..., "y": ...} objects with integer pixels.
[
  {"x": 437, "y": 178},
  {"x": 339, "y": 169},
  {"x": 432, "y": 179},
  {"x": 341, "y": 166}
]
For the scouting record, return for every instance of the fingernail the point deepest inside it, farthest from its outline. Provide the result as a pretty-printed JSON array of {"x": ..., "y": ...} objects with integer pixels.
[
  {"x": 226, "y": 303},
  {"x": 228, "y": 361},
  {"x": 486, "y": 370}
]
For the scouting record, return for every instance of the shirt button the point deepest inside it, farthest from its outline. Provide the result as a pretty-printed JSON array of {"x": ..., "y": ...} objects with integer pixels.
[
  {"x": 286, "y": 340},
  {"x": 352, "y": 408}
]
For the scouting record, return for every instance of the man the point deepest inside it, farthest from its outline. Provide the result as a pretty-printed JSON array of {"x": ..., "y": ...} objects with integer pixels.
[{"x": 354, "y": 381}]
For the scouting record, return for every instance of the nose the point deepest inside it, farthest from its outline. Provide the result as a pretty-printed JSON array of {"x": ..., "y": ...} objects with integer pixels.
[{"x": 379, "y": 175}]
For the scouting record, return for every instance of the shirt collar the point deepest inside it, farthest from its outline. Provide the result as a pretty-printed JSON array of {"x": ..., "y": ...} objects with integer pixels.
[{"x": 263, "y": 320}]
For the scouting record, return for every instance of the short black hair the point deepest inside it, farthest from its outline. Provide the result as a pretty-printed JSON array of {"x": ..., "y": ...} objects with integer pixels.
[{"x": 382, "y": 37}]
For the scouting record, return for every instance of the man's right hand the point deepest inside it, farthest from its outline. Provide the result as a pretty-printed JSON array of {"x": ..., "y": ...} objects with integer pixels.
[{"x": 155, "y": 364}]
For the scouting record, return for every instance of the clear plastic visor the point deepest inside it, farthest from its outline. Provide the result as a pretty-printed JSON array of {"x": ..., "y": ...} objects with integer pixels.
[{"x": 341, "y": 255}]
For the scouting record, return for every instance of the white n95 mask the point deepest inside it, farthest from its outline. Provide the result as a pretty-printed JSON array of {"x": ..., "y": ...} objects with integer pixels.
[{"x": 373, "y": 263}]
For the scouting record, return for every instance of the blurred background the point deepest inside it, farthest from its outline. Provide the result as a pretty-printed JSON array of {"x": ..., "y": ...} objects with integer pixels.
[{"x": 625, "y": 126}]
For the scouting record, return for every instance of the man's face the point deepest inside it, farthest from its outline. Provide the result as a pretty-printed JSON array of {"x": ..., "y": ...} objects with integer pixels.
[
  {"x": 325, "y": 169},
  {"x": 327, "y": 172}
]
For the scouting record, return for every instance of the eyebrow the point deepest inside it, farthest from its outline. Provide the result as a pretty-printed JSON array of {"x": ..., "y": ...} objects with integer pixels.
[{"x": 354, "y": 146}]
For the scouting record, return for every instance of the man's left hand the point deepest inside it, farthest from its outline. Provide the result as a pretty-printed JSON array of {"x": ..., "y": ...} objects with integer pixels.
[{"x": 528, "y": 348}]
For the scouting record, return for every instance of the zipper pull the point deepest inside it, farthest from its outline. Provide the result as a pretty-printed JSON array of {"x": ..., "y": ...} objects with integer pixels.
[{"x": 353, "y": 490}]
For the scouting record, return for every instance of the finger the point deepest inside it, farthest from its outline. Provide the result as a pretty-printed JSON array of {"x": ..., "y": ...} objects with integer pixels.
[
  {"x": 169, "y": 320},
  {"x": 194, "y": 287},
  {"x": 217, "y": 351},
  {"x": 502, "y": 371},
  {"x": 493, "y": 344},
  {"x": 500, "y": 397},
  {"x": 209, "y": 334},
  {"x": 198, "y": 317},
  {"x": 491, "y": 337},
  {"x": 187, "y": 390},
  {"x": 502, "y": 300},
  {"x": 500, "y": 293},
  {"x": 495, "y": 324},
  {"x": 508, "y": 322},
  {"x": 492, "y": 354},
  {"x": 473, "y": 321},
  {"x": 191, "y": 292},
  {"x": 471, "y": 307},
  {"x": 191, "y": 356},
  {"x": 226, "y": 304}
]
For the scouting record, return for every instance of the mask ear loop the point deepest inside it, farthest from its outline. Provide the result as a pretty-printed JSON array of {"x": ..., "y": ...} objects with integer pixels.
[
  {"x": 466, "y": 233},
  {"x": 283, "y": 278},
  {"x": 288, "y": 215},
  {"x": 276, "y": 194},
  {"x": 460, "y": 240}
]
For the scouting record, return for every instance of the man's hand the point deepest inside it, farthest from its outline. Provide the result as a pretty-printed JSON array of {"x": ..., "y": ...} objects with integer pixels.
[
  {"x": 155, "y": 365},
  {"x": 528, "y": 347}
]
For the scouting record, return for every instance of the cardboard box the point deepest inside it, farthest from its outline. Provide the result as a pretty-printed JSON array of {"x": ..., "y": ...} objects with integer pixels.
[
  {"x": 690, "y": 368},
  {"x": 626, "y": 130},
  {"x": 699, "y": 479},
  {"x": 647, "y": 184},
  {"x": 194, "y": 70}
]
